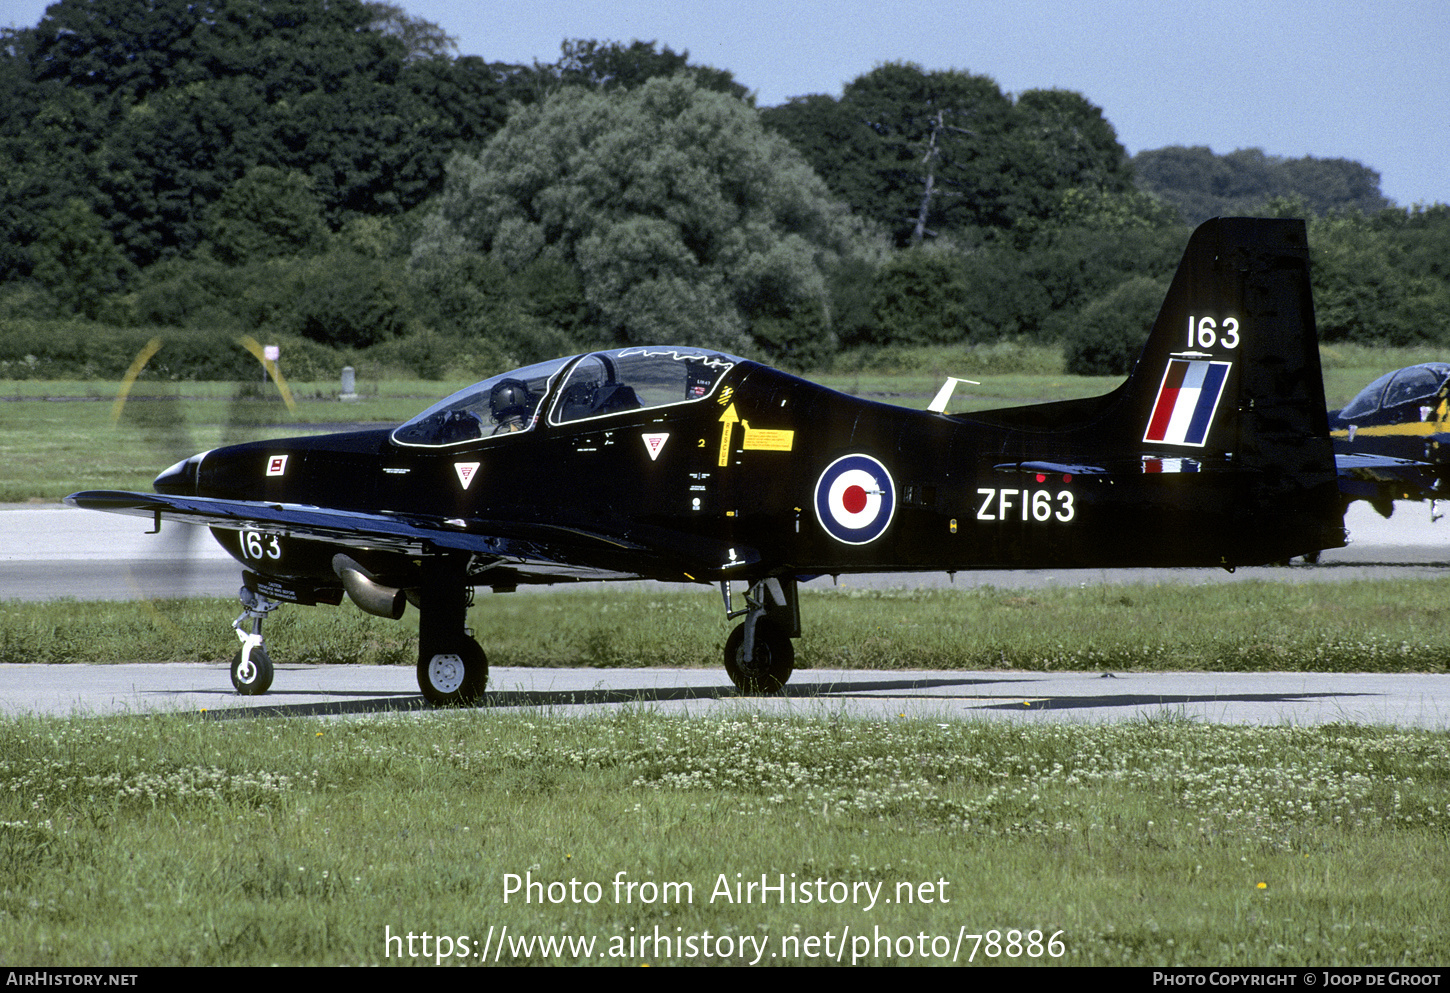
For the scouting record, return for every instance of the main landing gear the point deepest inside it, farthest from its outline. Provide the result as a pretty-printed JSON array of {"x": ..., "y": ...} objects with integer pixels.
[
  {"x": 759, "y": 656},
  {"x": 452, "y": 668}
]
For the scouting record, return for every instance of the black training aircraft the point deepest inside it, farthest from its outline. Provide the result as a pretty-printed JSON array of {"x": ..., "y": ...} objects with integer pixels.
[
  {"x": 1402, "y": 415},
  {"x": 688, "y": 465}
]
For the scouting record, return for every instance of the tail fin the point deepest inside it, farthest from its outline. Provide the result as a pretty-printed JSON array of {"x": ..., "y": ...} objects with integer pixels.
[
  {"x": 1231, "y": 372},
  {"x": 1232, "y": 365},
  {"x": 1229, "y": 383}
]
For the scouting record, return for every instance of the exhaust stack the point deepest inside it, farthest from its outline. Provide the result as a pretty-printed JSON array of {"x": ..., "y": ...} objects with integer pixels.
[{"x": 365, "y": 591}]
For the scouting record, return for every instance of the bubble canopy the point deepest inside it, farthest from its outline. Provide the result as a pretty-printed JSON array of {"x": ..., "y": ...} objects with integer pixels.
[
  {"x": 1417, "y": 382},
  {"x": 572, "y": 389}
]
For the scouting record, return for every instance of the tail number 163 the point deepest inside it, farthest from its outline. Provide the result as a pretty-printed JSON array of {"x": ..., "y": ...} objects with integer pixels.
[{"x": 1205, "y": 332}]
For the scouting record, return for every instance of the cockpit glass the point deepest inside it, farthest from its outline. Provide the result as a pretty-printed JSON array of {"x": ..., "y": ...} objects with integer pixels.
[
  {"x": 1367, "y": 401},
  {"x": 636, "y": 379},
  {"x": 1415, "y": 383},
  {"x": 1418, "y": 382},
  {"x": 505, "y": 404}
]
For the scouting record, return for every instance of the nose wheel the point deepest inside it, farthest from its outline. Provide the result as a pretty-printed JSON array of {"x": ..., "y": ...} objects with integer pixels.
[
  {"x": 252, "y": 666},
  {"x": 252, "y": 671}
]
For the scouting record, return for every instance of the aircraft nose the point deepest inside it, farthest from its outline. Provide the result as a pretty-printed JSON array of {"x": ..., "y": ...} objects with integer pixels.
[{"x": 180, "y": 479}]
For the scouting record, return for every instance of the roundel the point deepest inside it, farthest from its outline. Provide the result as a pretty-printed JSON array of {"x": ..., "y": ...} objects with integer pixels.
[{"x": 855, "y": 499}]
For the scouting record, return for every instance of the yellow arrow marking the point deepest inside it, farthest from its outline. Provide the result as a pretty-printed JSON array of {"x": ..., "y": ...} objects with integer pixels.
[{"x": 729, "y": 419}]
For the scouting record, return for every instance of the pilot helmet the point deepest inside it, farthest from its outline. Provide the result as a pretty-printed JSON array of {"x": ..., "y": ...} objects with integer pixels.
[{"x": 510, "y": 401}]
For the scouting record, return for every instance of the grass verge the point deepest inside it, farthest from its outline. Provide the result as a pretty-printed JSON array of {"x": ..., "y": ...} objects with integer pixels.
[
  {"x": 175, "y": 840},
  {"x": 1248, "y": 626}
]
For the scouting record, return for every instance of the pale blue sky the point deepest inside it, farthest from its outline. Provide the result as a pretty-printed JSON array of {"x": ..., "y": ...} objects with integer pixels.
[{"x": 1355, "y": 79}]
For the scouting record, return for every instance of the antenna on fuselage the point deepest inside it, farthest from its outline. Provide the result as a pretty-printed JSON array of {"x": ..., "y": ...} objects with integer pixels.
[{"x": 943, "y": 396}]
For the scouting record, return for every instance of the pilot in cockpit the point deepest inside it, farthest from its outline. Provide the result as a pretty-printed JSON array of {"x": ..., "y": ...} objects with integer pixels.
[{"x": 510, "y": 404}]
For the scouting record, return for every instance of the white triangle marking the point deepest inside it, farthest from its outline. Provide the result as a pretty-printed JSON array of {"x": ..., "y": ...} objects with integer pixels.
[{"x": 466, "y": 471}]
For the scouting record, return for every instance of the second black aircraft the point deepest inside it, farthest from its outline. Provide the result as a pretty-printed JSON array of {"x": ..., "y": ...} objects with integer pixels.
[{"x": 1402, "y": 422}]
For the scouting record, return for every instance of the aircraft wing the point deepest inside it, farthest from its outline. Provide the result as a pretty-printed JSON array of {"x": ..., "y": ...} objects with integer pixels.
[
  {"x": 1368, "y": 477},
  {"x": 533, "y": 549}
]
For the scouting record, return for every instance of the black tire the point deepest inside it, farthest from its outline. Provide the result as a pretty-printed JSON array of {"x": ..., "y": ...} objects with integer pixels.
[
  {"x": 257, "y": 678},
  {"x": 773, "y": 663},
  {"x": 456, "y": 678}
]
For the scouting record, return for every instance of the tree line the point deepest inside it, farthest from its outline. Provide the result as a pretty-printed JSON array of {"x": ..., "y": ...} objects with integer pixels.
[{"x": 336, "y": 175}]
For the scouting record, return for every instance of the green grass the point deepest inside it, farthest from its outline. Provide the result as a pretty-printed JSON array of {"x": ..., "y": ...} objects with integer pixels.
[
  {"x": 58, "y": 437},
  {"x": 1246, "y": 626},
  {"x": 1019, "y": 373},
  {"x": 307, "y": 841}
]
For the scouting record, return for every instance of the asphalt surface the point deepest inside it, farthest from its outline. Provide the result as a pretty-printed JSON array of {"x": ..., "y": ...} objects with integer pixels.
[
  {"x": 50, "y": 552},
  {"x": 1228, "y": 698}
]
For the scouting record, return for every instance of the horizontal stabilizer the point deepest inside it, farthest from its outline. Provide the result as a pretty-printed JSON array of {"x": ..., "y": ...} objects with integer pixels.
[{"x": 1052, "y": 468}]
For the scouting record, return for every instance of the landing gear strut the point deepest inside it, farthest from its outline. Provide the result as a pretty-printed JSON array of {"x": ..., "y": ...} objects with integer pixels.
[
  {"x": 759, "y": 656},
  {"x": 252, "y": 666},
  {"x": 452, "y": 668}
]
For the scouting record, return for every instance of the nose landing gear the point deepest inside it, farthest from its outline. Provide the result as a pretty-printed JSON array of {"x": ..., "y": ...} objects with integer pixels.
[{"x": 252, "y": 666}]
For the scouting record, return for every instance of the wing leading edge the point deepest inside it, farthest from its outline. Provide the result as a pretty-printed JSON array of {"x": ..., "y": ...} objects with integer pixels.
[{"x": 538, "y": 550}]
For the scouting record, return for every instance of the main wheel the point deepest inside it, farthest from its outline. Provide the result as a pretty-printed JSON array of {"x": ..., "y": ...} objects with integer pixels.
[
  {"x": 457, "y": 677},
  {"x": 773, "y": 663},
  {"x": 255, "y": 677}
]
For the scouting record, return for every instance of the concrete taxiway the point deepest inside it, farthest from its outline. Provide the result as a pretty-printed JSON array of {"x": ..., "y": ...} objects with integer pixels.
[{"x": 340, "y": 690}]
